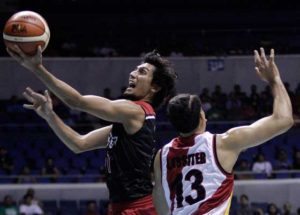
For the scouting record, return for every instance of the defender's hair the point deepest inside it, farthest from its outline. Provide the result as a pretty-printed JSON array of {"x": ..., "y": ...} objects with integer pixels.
[
  {"x": 183, "y": 111},
  {"x": 163, "y": 76}
]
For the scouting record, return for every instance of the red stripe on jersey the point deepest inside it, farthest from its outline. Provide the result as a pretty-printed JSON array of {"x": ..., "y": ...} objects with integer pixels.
[
  {"x": 184, "y": 141},
  {"x": 173, "y": 173},
  {"x": 218, "y": 198},
  {"x": 176, "y": 151},
  {"x": 146, "y": 107}
]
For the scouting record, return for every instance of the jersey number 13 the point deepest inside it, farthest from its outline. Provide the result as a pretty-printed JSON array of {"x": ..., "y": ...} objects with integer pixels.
[{"x": 195, "y": 185}]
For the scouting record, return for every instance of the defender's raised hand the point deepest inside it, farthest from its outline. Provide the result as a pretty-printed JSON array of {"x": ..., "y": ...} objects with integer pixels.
[
  {"x": 29, "y": 62},
  {"x": 266, "y": 68},
  {"x": 41, "y": 104}
]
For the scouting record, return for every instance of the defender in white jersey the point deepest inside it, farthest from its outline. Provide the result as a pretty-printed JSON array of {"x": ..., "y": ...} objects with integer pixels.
[{"x": 193, "y": 173}]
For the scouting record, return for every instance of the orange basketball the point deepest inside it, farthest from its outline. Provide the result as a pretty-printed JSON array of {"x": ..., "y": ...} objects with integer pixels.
[{"x": 28, "y": 30}]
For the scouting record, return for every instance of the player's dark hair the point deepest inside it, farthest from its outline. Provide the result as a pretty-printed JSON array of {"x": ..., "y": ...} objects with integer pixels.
[
  {"x": 164, "y": 77},
  {"x": 184, "y": 112}
]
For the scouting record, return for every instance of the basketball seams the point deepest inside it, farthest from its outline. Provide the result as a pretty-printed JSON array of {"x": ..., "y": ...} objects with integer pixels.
[
  {"x": 47, "y": 30},
  {"x": 33, "y": 14}
]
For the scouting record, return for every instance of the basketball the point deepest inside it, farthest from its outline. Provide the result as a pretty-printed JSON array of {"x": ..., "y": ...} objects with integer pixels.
[{"x": 28, "y": 30}]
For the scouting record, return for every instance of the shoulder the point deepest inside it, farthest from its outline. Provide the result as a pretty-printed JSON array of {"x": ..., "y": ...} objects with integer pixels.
[
  {"x": 229, "y": 140},
  {"x": 131, "y": 113},
  {"x": 226, "y": 154},
  {"x": 147, "y": 107},
  {"x": 128, "y": 107},
  {"x": 123, "y": 103}
]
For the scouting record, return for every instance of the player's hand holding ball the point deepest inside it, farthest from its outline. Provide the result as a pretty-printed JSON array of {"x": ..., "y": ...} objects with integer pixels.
[{"x": 26, "y": 35}]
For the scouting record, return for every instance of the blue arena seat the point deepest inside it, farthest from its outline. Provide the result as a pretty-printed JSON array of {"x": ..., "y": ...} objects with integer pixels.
[
  {"x": 282, "y": 175},
  {"x": 50, "y": 207},
  {"x": 293, "y": 138},
  {"x": 103, "y": 206},
  {"x": 96, "y": 162},
  {"x": 78, "y": 162},
  {"x": 262, "y": 205},
  {"x": 43, "y": 180},
  {"x": 83, "y": 205},
  {"x": 88, "y": 179},
  {"x": 7, "y": 180},
  {"x": 92, "y": 171},
  {"x": 64, "y": 179},
  {"x": 260, "y": 175},
  {"x": 296, "y": 175},
  {"x": 68, "y": 207},
  {"x": 234, "y": 205}
]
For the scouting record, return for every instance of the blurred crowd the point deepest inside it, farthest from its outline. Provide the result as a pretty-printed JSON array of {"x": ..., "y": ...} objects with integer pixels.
[
  {"x": 29, "y": 204},
  {"x": 176, "y": 28},
  {"x": 238, "y": 105}
]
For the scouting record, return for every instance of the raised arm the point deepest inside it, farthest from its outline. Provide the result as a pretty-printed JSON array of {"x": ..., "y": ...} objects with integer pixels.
[
  {"x": 237, "y": 139},
  {"x": 42, "y": 104},
  {"x": 158, "y": 191},
  {"x": 114, "y": 111}
]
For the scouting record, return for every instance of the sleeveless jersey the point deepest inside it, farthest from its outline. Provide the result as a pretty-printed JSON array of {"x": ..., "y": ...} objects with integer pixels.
[
  {"x": 193, "y": 180},
  {"x": 128, "y": 159}
]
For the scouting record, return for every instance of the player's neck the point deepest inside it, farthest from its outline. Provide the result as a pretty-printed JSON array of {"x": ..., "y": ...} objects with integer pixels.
[{"x": 199, "y": 130}]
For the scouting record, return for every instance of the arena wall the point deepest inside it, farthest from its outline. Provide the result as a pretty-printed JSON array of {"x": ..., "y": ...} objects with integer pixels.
[{"x": 92, "y": 75}]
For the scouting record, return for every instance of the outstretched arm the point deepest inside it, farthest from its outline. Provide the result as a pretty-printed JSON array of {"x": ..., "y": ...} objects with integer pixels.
[
  {"x": 114, "y": 111},
  {"x": 66, "y": 93},
  {"x": 158, "y": 191},
  {"x": 237, "y": 139},
  {"x": 42, "y": 105}
]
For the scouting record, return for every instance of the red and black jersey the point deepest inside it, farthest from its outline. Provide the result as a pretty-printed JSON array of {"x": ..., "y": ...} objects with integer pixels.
[{"x": 128, "y": 159}]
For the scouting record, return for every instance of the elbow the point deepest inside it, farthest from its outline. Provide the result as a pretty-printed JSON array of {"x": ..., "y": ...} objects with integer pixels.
[
  {"x": 289, "y": 122},
  {"x": 74, "y": 103},
  {"x": 286, "y": 122},
  {"x": 78, "y": 147},
  {"x": 76, "y": 151}
]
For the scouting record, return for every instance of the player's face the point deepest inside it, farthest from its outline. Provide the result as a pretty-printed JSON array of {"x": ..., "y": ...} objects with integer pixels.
[{"x": 140, "y": 79}]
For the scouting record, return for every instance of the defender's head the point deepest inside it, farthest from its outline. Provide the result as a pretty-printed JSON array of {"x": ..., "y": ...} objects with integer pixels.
[{"x": 185, "y": 113}]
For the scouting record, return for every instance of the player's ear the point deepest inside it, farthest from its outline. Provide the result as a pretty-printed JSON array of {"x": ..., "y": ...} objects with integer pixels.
[
  {"x": 155, "y": 88},
  {"x": 202, "y": 115}
]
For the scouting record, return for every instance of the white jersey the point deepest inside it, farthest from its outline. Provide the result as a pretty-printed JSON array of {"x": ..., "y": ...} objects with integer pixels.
[{"x": 193, "y": 180}]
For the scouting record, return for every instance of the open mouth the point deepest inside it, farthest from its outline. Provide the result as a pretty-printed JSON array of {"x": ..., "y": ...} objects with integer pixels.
[{"x": 132, "y": 85}]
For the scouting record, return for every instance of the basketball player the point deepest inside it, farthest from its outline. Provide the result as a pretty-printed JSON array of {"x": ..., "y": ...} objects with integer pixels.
[
  {"x": 193, "y": 173},
  {"x": 129, "y": 140}
]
